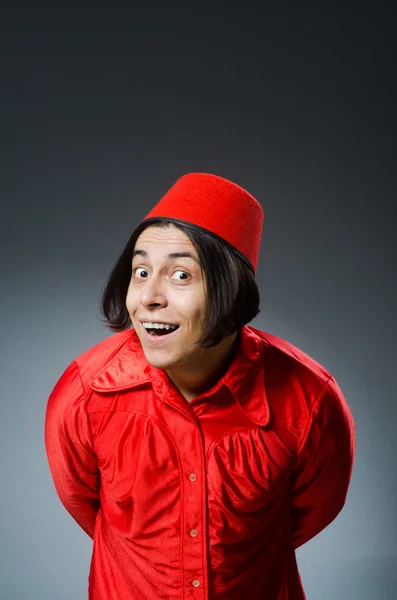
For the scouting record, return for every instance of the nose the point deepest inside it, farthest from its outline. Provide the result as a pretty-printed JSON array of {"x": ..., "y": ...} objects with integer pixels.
[{"x": 153, "y": 292}]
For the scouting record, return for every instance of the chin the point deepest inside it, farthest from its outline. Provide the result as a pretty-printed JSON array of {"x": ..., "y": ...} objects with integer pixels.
[{"x": 155, "y": 360}]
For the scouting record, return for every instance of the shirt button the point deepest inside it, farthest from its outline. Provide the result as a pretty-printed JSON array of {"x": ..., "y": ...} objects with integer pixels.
[
  {"x": 194, "y": 532},
  {"x": 192, "y": 476},
  {"x": 195, "y": 582}
]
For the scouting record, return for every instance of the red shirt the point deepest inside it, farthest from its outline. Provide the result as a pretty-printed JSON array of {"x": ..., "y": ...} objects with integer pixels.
[{"x": 207, "y": 500}]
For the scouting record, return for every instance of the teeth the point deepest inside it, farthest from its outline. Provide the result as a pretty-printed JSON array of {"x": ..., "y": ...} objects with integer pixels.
[{"x": 148, "y": 325}]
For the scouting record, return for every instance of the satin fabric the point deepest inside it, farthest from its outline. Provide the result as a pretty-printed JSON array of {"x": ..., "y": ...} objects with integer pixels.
[{"x": 207, "y": 500}]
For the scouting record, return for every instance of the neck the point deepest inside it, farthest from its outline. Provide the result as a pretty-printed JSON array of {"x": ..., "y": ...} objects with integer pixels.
[{"x": 210, "y": 366}]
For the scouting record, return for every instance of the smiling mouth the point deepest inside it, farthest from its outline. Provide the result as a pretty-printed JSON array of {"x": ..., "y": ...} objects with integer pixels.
[{"x": 160, "y": 331}]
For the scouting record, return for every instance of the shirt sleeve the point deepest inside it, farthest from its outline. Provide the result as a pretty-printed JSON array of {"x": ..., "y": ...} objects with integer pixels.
[
  {"x": 325, "y": 464},
  {"x": 69, "y": 448}
]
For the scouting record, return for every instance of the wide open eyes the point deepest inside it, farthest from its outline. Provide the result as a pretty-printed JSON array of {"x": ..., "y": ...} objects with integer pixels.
[
  {"x": 178, "y": 275},
  {"x": 140, "y": 273}
]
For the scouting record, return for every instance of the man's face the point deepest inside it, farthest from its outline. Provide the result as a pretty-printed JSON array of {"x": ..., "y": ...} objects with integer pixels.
[{"x": 168, "y": 289}]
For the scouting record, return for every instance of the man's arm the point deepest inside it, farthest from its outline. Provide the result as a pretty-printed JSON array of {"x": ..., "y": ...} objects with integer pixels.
[
  {"x": 69, "y": 447},
  {"x": 325, "y": 464}
]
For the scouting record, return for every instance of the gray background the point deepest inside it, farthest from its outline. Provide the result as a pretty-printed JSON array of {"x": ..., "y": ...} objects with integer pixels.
[{"x": 101, "y": 112}]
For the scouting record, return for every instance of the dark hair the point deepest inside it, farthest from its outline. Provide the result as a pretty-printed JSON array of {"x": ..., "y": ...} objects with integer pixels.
[{"x": 231, "y": 290}]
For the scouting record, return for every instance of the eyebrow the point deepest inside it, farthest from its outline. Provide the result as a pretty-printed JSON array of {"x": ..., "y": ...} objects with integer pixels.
[{"x": 172, "y": 255}]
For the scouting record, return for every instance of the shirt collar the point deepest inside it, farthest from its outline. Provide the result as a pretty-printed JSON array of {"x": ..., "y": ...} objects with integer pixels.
[{"x": 129, "y": 368}]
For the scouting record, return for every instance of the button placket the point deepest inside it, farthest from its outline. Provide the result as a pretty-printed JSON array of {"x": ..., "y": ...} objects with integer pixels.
[{"x": 194, "y": 514}]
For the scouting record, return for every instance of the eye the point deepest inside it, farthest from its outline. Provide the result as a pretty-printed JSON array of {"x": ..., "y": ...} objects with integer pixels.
[
  {"x": 179, "y": 273},
  {"x": 139, "y": 271}
]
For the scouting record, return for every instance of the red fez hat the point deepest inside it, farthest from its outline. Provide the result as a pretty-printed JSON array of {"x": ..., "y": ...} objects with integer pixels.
[{"x": 217, "y": 205}]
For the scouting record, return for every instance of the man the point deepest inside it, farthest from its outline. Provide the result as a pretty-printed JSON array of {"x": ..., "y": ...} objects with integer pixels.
[{"x": 196, "y": 451}]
